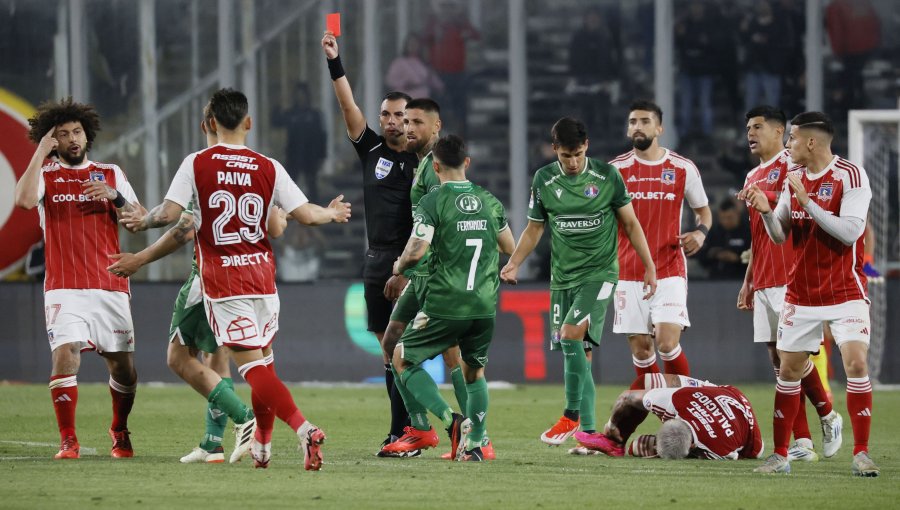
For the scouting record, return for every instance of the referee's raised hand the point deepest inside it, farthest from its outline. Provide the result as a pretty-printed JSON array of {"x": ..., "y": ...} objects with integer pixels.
[{"x": 329, "y": 44}]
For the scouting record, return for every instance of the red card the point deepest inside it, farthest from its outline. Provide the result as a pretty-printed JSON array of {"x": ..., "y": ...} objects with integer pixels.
[{"x": 333, "y": 23}]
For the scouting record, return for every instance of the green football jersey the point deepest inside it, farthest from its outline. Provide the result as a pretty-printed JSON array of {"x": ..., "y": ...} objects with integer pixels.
[
  {"x": 424, "y": 183},
  {"x": 461, "y": 221},
  {"x": 580, "y": 211}
]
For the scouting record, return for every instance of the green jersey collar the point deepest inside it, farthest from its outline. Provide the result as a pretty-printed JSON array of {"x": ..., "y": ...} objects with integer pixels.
[{"x": 563, "y": 172}]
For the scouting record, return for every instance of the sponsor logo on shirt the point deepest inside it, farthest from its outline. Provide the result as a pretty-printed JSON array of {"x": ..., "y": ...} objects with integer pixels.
[
  {"x": 383, "y": 168},
  {"x": 591, "y": 191},
  {"x": 558, "y": 192},
  {"x": 632, "y": 179},
  {"x": 651, "y": 195},
  {"x": 468, "y": 203},
  {"x": 668, "y": 176},
  {"x": 773, "y": 176},
  {"x": 578, "y": 223}
]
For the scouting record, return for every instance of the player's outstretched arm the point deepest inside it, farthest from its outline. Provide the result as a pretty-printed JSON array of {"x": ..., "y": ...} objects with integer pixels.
[
  {"x": 353, "y": 116},
  {"x": 312, "y": 214},
  {"x": 160, "y": 216},
  {"x": 527, "y": 242},
  {"x": 632, "y": 228},
  {"x": 126, "y": 264},
  {"x": 27, "y": 188}
]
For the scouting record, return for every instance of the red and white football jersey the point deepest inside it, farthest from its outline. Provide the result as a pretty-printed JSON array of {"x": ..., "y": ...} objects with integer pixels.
[
  {"x": 234, "y": 187},
  {"x": 79, "y": 233},
  {"x": 721, "y": 420},
  {"x": 658, "y": 190},
  {"x": 827, "y": 272},
  {"x": 771, "y": 262}
]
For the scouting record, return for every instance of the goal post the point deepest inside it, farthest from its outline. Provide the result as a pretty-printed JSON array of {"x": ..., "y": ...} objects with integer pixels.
[{"x": 874, "y": 142}]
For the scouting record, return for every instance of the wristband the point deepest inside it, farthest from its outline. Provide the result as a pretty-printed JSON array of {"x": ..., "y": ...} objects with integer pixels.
[
  {"x": 119, "y": 201},
  {"x": 335, "y": 68},
  {"x": 703, "y": 228}
]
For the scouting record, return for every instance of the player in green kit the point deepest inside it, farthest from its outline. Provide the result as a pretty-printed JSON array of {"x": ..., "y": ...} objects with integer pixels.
[
  {"x": 464, "y": 226},
  {"x": 423, "y": 125},
  {"x": 582, "y": 200},
  {"x": 190, "y": 333}
]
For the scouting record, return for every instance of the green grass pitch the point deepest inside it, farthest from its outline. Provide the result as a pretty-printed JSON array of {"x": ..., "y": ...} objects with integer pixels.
[{"x": 167, "y": 422}]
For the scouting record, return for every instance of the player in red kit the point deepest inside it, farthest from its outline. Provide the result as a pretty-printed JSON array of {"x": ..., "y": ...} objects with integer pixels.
[
  {"x": 232, "y": 189},
  {"x": 823, "y": 206},
  {"x": 659, "y": 181},
  {"x": 86, "y": 307},
  {"x": 766, "y": 279},
  {"x": 701, "y": 420}
]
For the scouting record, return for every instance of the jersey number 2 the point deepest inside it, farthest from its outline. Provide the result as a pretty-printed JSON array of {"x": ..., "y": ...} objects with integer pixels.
[
  {"x": 249, "y": 210},
  {"x": 470, "y": 282}
]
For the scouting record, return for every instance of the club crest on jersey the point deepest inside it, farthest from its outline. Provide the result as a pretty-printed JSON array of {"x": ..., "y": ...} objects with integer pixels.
[
  {"x": 773, "y": 176},
  {"x": 668, "y": 176},
  {"x": 468, "y": 203},
  {"x": 826, "y": 190},
  {"x": 591, "y": 190},
  {"x": 97, "y": 176},
  {"x": 383, "y": 168}
]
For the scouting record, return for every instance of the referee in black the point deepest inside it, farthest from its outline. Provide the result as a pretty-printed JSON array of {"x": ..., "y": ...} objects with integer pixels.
[{"x": 388, "y": 172}]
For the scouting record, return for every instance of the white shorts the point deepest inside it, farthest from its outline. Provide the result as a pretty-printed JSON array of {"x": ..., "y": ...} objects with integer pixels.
[
  {"x": 767, "y": 312},
  {"x": 800, "y": 329},
  {"x": 659, "y": 402},
  {"x": 95, "y": 319},
  {"x": 636, "y": 316},
  {"x": 249, "y": 323}
]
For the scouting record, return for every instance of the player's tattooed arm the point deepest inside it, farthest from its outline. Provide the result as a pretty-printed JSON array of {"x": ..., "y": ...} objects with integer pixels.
[
  {"x": 337, "y": 211},
  {"x": 126, "y": 264},
  {"x": 412, "y": 254},
  {"x": 160, "y": 216},
  {"x": 183, "y": 231}
]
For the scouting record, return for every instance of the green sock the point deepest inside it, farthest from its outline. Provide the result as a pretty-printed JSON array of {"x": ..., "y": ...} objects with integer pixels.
[
  {"x": 477, "y": 411},
  {"x": 223, "y": 403},
  {"x": 418, "y": 415},
  {"x": 574, "y": 364},
  {"x": 424, "y": 390},
  {"x": 459, "y": 388},
  {"x": 588, "y": 399}
]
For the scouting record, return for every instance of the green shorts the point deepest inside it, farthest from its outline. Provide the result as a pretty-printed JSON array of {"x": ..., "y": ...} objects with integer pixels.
[
  {"x": 426, "y": 337},
  {"x": 410, "y": 301},
  {"x": 587, "y": 302},
  {"x": 189, "y": 318}
]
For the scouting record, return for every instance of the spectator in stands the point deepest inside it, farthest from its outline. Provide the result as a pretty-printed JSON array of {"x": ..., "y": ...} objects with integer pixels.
[
  {"x": 595, "y": 65},
  {"x": 448, "y": 31},
  {"x": 767, "y": 40},
  {"x": 697, "y": 38},
  {"x": 410, "y": 73},
  {"x": 855, "y": 33},
  {"x": 306, "y": 140},
  {"x": 728, "y": 238}
]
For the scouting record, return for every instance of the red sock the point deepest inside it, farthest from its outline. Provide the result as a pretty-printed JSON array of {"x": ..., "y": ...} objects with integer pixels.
[
  {"x": 644, "y": 366},
  {"x": 675, "y": 362},
  {"x": 859, "y": 406},
  {"x": 64, "y": 392},
  {"x": 787, "y": 402},
  {"x": 265, "y": 417},
  {"x": 812, "y": 387},
  {"x": 272, "y": 393},
  {"x": 801, "y": 426},
  {"x": 122, "y": 402}
]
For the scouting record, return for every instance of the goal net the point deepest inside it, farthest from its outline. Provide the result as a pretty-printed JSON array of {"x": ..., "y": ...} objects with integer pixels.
[{"x": 874, "y": 141}]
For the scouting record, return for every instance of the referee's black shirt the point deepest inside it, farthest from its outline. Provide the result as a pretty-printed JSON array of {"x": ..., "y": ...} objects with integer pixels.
[{"x": 387, "y": 179}]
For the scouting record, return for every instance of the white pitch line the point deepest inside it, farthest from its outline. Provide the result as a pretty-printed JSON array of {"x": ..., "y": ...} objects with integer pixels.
[{"x": 84, "y": 449}]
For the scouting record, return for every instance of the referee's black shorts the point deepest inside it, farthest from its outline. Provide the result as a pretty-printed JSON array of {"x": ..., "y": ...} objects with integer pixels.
[{"x": 376, "y": 272}]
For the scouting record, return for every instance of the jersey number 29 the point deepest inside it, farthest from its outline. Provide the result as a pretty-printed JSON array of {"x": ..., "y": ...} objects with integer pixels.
[{"x": 249, "y": 208}]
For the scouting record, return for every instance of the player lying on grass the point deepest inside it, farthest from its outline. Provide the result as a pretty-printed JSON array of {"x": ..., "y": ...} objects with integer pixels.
[{"x": 700, "y": 420}]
